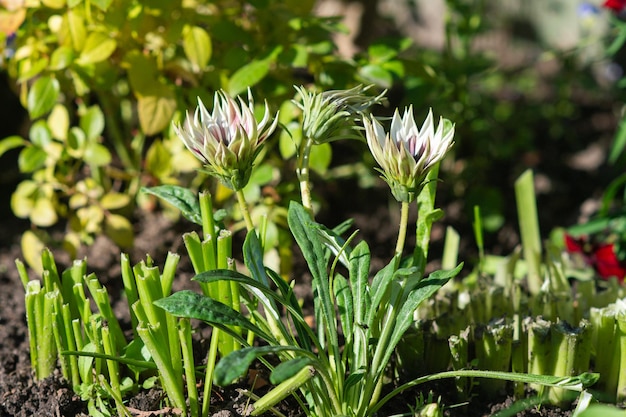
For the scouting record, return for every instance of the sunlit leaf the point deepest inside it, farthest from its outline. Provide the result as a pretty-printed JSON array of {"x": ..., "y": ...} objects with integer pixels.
[
  {"x": 42, "y": 96},
  {"x": 377, "y": 75},
  {"x": 156, "y": 111},
  {"x": 142, "y": 73},
  {"x": 23, "y": 198},
  {"x": 54, "y": 4},
  {"x": 182, "y": 198},
  {"x": 76, "y": 27},
  {"x": 113, "y": 201},
  {"x": 32, "y": 245},
  {"x": 92, "y": 123},
  {"x": 31, "y": 159},
  {"x": 97, "y": 154},
  {"x": 119, "y": 229},
  {"x": 197, "y": 46},
  {"x": 287, "y": 369},
  {"x": 97, "y": 48},
  {"x": 248, "y": 76},
  {"x": 320, "y": 158},
  {"x": 76, "y": 141},
  {"x": 102, "y": 4},
  {"x": 44, "y": 213},
  {"x": 11, "y": 142},
  {"x": 59, "y": 122}
]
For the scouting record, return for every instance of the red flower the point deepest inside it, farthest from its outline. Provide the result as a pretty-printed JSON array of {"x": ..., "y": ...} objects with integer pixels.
[
  {"x": 615, "y": 5},
  {"x": 600, "y": 256}
]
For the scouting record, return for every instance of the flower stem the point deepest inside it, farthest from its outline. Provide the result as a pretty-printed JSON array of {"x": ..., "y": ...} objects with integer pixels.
[
  {"x": 404, "y": 218},
  {"x": 243, "y": 206},
  {"x": 303, "y": 174}
]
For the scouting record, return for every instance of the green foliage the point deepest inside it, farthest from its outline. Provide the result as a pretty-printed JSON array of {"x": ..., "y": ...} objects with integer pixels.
[{"x": 103, "y": 80}]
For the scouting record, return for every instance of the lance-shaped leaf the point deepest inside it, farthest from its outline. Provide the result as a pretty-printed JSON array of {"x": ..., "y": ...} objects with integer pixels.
[
  {"x": 181, "y": 198},
  {"x": 235, "y": 364},
  {"x": 196, "y": 306},
  {"x": 423, "y": 291},
  {"x": 304, "y": 231}
]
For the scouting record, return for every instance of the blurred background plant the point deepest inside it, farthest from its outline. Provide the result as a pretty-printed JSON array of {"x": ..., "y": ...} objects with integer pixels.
[{"x": 101, "y": 82}]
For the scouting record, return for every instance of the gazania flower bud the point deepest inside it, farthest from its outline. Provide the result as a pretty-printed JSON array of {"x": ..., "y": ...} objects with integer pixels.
[
  {"x": 406, "y": 153},
  {"x": 327, "y": 115},
  {"x": 228, "y": 140}
]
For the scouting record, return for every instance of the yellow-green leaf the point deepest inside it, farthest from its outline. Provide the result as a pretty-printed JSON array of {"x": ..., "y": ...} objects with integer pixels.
[
  {"x": 142, "y": 73},
  {"x": 31, "y": 159},
  {"x": 98, "y": 47},
  {"x": 42, "y": 96},
  {"x": 23, "y": 198},
  {"x": 11, "y": 142},
  {"x": 61, "y": 58},
  {"x": 44, "y": 213},
  {"x": 32, "y": 246},
  {"x": 59, "y": 122},
  {"x": 156, "y": 111},
  {"x": 53, "y": 4},
  {"x": 119, "y": 229},
  {"x": 113, "y": 201},
  {"x": 97, "y": 154},
  {"x": 197, "y": 47},
  {"x": 248, "y": 76},
  {"x": 76, "y": 29}
]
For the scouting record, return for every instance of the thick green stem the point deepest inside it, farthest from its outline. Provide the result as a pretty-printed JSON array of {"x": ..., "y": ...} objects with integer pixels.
[
  {"x": 303, "y": 174},
  {"x": 404, "y": 219},
  {"x": 243, "y": 206}
]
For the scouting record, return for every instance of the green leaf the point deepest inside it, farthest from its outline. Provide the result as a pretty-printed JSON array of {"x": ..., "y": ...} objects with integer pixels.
[
  {"x": 359, "y": 274},
  {"x": 76, "y": 28},
  {"x": 44, "y": 213},
  {"x": 235, "y": 364},
  {"x": 59, "y": 122},
  {"x": 113, "y": 200},
  {"x": 11, "y": 142},
  {"x": 42, "y": 96},
  {"x": 181, "y": 198},
  {"x": 61, "y": 58},
  {"x": 599, "y": 410},
  {"x": 196, "y": 306},
  {"x": 343, "y": 295},
  {"x": 248, "y": 76},
  {"x": 379, "y": 286},
  {"x": 286, "y": 370},
  {"x": 321, "y": 156},
  {"x": 377, "y": 75},
  {"x": 40, "y": 134},
  {"x": 97, "y": 154},
  {"x": 76, "y": 141},
  {"x": 197, "y": 47},
  {"x": 423, "y": 291},
  {"x": 119, "y": 229},
  {"x": 54, "y": 4},
  {"x": 31, "y": 159},
  {"x": 142, "y": 73},
  {"x": 619, "y": 143},
  {"x": 102, "y": 4},
  {"x": 304, "y": 231},
  {"x": 32, "y": 245},
  {"x": 92, "y": 123},
  {"x": 156, "y": 111},
  {"x": 98, "y": 47}
]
